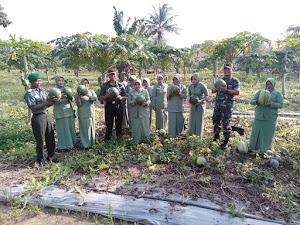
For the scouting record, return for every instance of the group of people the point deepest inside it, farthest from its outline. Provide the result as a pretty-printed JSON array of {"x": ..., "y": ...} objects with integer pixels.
[
  {"x": 39, "y": 102},
  {"x": 127, "y": 109}
]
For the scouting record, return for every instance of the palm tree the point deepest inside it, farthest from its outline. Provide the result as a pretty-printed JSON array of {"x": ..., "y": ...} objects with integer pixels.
[
  {"x": 161, "y": 21},
  {"x": 137, "y": 27}
]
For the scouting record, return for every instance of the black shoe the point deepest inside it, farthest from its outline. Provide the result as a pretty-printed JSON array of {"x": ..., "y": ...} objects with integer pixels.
[
  {"x": 216, "y": 137},
  {"x": 224, "y": 145},
  {"x": 52, "y": 159},
  {"x": 39, "y": 164}
]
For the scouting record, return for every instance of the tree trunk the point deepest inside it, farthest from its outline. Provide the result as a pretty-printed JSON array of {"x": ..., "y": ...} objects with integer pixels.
[
  {"x": 284, "y": 70},
  {"x": 216, "y": 69},
  {"x": 25, "y": 65}
]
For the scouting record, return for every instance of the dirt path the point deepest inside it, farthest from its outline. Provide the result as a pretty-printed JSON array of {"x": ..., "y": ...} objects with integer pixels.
[{"x": 28, "y": 216}]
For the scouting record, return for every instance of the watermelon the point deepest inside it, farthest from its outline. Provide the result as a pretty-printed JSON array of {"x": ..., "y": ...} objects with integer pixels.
[
  {"x": 284, "y": 151},
  {"x": 81, "y": 89},
  {"x": 175, "y": 89},
  {"x": 54, "y": 92},
  {"x": 67, "y": 91},
  {"x": 140, "y": 99},
  {"x": 242, "y": 147},
  {"x": 274, "y": 163},
  {"x": 194, "y": 99},
  {"x": 201, "y": 161},
  {"x": 113, "y": 92},
  {"x": 155, "y": 157},
  {"x": 220, "y": 83},
  {"x": 264, "y": 97}
]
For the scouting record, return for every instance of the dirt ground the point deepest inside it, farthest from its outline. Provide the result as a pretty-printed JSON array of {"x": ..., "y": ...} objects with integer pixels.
[{"x": 49, "y": 216}]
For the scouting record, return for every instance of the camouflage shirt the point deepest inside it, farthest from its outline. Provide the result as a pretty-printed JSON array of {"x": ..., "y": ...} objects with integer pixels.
[{"x": 224, "y": 99}]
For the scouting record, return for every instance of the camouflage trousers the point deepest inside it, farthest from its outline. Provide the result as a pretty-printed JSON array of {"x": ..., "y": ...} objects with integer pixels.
[{"x": 222, "y": 117}]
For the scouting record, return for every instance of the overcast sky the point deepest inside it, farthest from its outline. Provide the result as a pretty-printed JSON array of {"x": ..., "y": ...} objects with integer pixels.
[{"x": 44, "y": 20}]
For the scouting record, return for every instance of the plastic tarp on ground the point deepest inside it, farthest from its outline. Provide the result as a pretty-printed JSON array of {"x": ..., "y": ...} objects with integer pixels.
[{"x": 141, "y": 210}]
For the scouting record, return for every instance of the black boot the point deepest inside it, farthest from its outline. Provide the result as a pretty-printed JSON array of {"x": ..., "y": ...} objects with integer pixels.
[
  {"x": 224, "y": 145},
  {"x": 216, "y": 137}
]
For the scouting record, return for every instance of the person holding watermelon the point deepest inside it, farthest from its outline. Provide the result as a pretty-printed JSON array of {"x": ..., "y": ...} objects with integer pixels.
[
  {"x": 159, "y": 103},
  {"x": 86, "y": 115},
  {"x": 267, "y": 103},
  {"x": 176, "y": 94},
  {"x": 223, "y": 109},
  {"x": 64, "y": 118},
  {"x": 129, "y": 87},
  {"x": 149, "y": 88},
  {"x": 139, "y": 101},
  {"x": 197, "y": 90},
  {"x": 113, "y": 108},
  {"x": 38, "y": 102}
]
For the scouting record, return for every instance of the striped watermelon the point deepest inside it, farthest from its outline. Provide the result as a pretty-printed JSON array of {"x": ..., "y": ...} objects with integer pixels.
[
  {"x": 220, "y": 83},
  {"x": 264, "y": 97},
  {"x": 55, "y": 92}
]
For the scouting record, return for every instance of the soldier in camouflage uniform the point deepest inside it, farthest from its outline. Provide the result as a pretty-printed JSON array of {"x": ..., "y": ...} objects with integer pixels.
[{"x": 224, "y": 105}]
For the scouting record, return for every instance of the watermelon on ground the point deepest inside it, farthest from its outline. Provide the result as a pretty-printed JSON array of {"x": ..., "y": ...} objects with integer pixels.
[
  {"x": 54, "y": 92},
  {"x": 201, "y": 161},
  {"x": 242, "y": 147}
]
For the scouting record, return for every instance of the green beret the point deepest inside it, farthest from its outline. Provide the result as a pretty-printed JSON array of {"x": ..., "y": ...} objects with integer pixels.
[{"x": 34, "y": 76}]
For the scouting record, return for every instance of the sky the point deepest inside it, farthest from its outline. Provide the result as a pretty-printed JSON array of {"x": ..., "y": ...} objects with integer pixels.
[{"x": 199, "y": 20}]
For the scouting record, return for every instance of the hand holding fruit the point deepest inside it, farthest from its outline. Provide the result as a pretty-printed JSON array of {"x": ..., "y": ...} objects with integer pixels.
[{"x": 51, "y": 100}]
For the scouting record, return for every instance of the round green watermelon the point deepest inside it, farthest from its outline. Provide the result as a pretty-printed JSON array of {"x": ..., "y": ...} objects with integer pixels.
[
  {"x": 140, "y": 99},
  {"x": 194, "y": 99},
  {"x": 155, "y": 157},
  {"x": 220, "y": 83},
  {"x": 67, "y": 91},
  {"x": 274, "y": 163},
  {"x": 242, "y": 147},
  {"x": 81, "y": 89},
  {"x": 201, "y": 161},
  {"x": 175, "y": 89},
  {"x": 54, "y": 92},
  {"x": 264, "y": 97},
  {"x": 113, "y": 92}
]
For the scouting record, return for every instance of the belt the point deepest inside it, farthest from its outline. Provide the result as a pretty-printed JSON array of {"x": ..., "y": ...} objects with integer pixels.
[
  {"x": 114, "y": 102},
  {"x": 36, "y": 114}
]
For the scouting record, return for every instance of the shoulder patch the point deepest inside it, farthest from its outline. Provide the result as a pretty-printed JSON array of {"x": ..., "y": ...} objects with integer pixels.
[{"x": 29, "y": 90}]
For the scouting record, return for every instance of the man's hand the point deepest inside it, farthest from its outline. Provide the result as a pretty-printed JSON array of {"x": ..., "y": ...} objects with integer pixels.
[{"x": 51, "y": 101}]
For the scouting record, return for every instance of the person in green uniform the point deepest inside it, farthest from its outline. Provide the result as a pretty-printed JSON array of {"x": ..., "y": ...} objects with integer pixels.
[
  {"x": 86, "y": 115},
  {"x": 140, "y": 113},
  {"x": 223, "y": 109},
  {"x": 197, "y": 111},
  {"x": 175, "y": 107},
  {"x": 149, "y": 88},
  {"x": 265, "y": 117},
  {"x": 129, "y": 87},
  {"x": 38, "y": 102},
  {"x": 64, "y": 119},
  {"x": 159, "y": 103}
]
